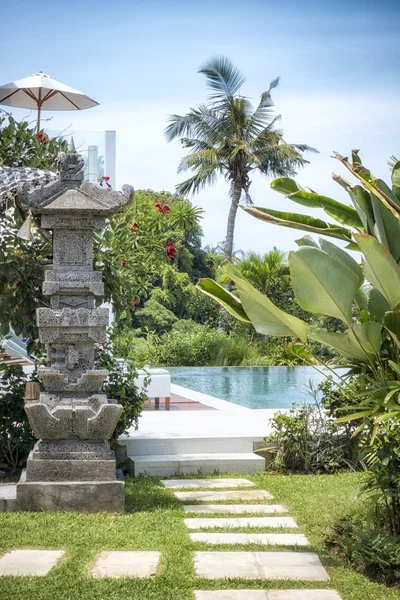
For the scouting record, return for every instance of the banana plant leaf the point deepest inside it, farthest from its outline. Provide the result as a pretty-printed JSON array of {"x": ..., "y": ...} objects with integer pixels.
[
  {"x": 396, "y": 180},
  {"x": 377, "y": 305},
  {"x": 322, "y": 283},
  {"x": 362, "y": 342},
  {"x": 264, "y": 315},
  {"x": 298, "y": 221},
  {"x": 380, "y": 268},
  {"x": 391, "y": 321},
  {"x": 228, "y": 300},
  {"x": 342, "y": 213}
]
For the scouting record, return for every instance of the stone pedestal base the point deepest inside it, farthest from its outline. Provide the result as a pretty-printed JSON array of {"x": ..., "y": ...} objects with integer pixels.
[{"x": 71, "y": 496}]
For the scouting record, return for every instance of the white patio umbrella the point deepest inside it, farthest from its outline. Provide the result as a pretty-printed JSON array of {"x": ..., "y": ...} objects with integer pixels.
[{"x": 41, "y": 92}]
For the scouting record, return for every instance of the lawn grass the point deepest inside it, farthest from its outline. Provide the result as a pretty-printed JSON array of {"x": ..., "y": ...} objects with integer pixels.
[{"x": 154, "y": 521}]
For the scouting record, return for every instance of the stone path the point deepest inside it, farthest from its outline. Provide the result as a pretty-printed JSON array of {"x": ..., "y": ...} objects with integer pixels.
[
  {"x": 215, "y": 496},
  {"x": 29, "y": 562},
  {"x": 270, "y": 539},
  {"x": 241, "y": 522},
  {"x": 234, "y": 509},
  {"x": 125, "y": 564},
  {"x": 283, "y": 565},
  {"x": 267, "y": 595},
  {"x": 206, "y": 483}
]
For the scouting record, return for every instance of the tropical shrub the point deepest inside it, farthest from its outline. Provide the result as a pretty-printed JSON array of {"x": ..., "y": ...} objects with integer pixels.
[
  {"x": 366, "y": 548},
  {"x": 16, "y": 437},
  {"x": 120, "y": 385},
  {"x": 196, "y": 345}
]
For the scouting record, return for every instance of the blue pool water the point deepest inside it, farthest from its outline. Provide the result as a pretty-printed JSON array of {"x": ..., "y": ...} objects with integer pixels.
[{"x": 253, "y": 387}]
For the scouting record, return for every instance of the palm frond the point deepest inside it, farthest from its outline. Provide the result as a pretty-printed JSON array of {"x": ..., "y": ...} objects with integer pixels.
[
  {"x": 223, "y": 78},
  {"x": 196, "y": 183}
]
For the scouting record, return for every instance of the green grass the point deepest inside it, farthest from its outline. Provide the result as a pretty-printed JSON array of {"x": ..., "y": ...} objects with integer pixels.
[{"x": 154, "y": 521}]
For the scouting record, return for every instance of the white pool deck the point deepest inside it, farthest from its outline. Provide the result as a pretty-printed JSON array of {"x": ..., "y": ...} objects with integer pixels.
[{"x": 226, "y": 420}]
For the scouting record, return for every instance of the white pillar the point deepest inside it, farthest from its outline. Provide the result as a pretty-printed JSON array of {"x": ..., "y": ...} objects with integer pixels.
[
  {"x": 110, "y": 157},
  {"x": 93, "y": 155}
]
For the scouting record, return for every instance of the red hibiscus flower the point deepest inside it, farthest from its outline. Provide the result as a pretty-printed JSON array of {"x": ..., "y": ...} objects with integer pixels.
[
  {"x": 166, "y": 208},
  {"x": 124, "y": 262},
  {"x": 42, "y": 138},
  {"x": 134, "y": 227},
  {"x": 171, "y": 250},
  {"x": 105, "y": 179},
  {"x": 134, "y": 302}
]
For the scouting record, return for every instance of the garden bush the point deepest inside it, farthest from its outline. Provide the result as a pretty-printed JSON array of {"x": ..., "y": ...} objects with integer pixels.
[
  {"x": 16, "y": 437},
  {"x": 366, "y": 548}
]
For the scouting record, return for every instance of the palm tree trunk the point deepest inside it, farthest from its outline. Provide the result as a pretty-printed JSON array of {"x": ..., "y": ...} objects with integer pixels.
[{"x": 237, "y": 190}]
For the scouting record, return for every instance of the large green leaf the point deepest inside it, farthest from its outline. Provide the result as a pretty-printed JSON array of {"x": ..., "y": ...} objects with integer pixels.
[
  {"x": 380, "y": 268},
  {"x": 230, "y": 302},
  {"x": 338, "y": 211},
  {"x": 377, "y": 305},
  {"x": 285, "y": 185},
  {"x": 265, "y": 316},
  {"x": 396, "y": 180},
  {"x": 298, "y": 221},
  {"x": 323, "y": 284},
  {"x": 391, "y": 321},
  {"x": 362, "y": 342},
  {"x": 344, "y": 257}
]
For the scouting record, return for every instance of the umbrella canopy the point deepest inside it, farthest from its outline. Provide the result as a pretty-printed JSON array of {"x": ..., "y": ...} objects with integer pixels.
[{"x": 41, "y": 92}]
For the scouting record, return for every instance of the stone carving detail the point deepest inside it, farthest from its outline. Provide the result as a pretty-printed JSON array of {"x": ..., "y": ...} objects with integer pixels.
[{"x": 72, "y": 418}]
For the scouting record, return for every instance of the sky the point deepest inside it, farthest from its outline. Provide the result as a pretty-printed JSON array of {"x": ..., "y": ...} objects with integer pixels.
[{"x": 339, "y": 65}]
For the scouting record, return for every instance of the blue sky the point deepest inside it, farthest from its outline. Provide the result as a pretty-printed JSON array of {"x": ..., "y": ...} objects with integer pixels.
[{"x": 338, "y": 62}]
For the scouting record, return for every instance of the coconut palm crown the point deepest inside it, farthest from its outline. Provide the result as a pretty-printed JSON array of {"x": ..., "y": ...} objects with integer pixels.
[{"x": 229, "y": 137}]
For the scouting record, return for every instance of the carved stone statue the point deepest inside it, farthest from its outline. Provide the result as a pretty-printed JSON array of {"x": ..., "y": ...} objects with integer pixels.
[{"x": 72, "y": 466}]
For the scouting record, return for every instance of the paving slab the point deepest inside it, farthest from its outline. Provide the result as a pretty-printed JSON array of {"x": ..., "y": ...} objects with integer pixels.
[
  {"x": 206, "y": 483},
  {"x": 236, "y": 509},
  {"x": 125, "y": 564},
  {"x": 304, "y": 566},
  {"x": 272, "y": 539},
  {"x": 227, "y": 495},
  {"x": 8, "y": 497},
  {"x": 267, "y": 595},
  {"x": 29, "y": 562},
  {"x": 203, "y": 523}
]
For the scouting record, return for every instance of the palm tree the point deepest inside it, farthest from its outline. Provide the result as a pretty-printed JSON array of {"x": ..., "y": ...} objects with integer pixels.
[
  {"x": 229, "y": 137},
  {"x": 267, "y": 272}
]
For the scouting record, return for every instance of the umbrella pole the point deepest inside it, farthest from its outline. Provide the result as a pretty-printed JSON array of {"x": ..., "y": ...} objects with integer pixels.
[
  {"x": 38, "y": 118},
  {"x": 39, "y": 107}
]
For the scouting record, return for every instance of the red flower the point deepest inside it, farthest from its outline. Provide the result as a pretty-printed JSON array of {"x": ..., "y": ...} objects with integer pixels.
[
  {"x": 134, "y": 227},
  {"x": 105, "y": 179},
  {"x": 166, "y": 208},
  {"x": 159, "y": 207},
  {"x": 42, "y": 138},
  {"x": 134, "y": 302},
  {"x": 124, "y": 262},
  {"x": 171, "y": 250}
]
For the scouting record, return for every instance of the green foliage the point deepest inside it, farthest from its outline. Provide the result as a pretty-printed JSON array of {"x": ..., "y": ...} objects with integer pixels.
[
  {"x": 16, "y": 438},
  {"x": 120, "y": 385},
  {"x": 366, "y": 548},
  {"x": 19, "y": 146},
  {"x": 197, "y": 345},
  {"x": 307, "y": 440}
]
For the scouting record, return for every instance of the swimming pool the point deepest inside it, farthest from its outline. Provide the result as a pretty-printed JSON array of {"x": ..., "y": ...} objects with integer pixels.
[{"x": 253, "y": 387}]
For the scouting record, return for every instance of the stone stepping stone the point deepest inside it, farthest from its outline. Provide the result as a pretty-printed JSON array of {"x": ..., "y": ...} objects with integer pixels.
[
  {"x": 29, "y": 562},
  {"x": 125, "y": 564},
  {"x": 272, "y": 539},
  {"x": 206, "y": 483},
  {"x": 236, "y": 509},
  {"x": 230, "y": 495},
  {"x": 241, "y": 522},
  {"x": 304, "y": 566},
  {"x": 267, "y": 595}
]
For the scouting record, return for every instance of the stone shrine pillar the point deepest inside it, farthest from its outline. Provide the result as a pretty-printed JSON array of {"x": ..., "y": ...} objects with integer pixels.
[{"x": 72, "y": 467}]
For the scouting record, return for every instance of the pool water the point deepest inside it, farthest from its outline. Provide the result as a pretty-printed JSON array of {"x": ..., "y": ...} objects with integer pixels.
[{"x": 253, "y": 387}]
